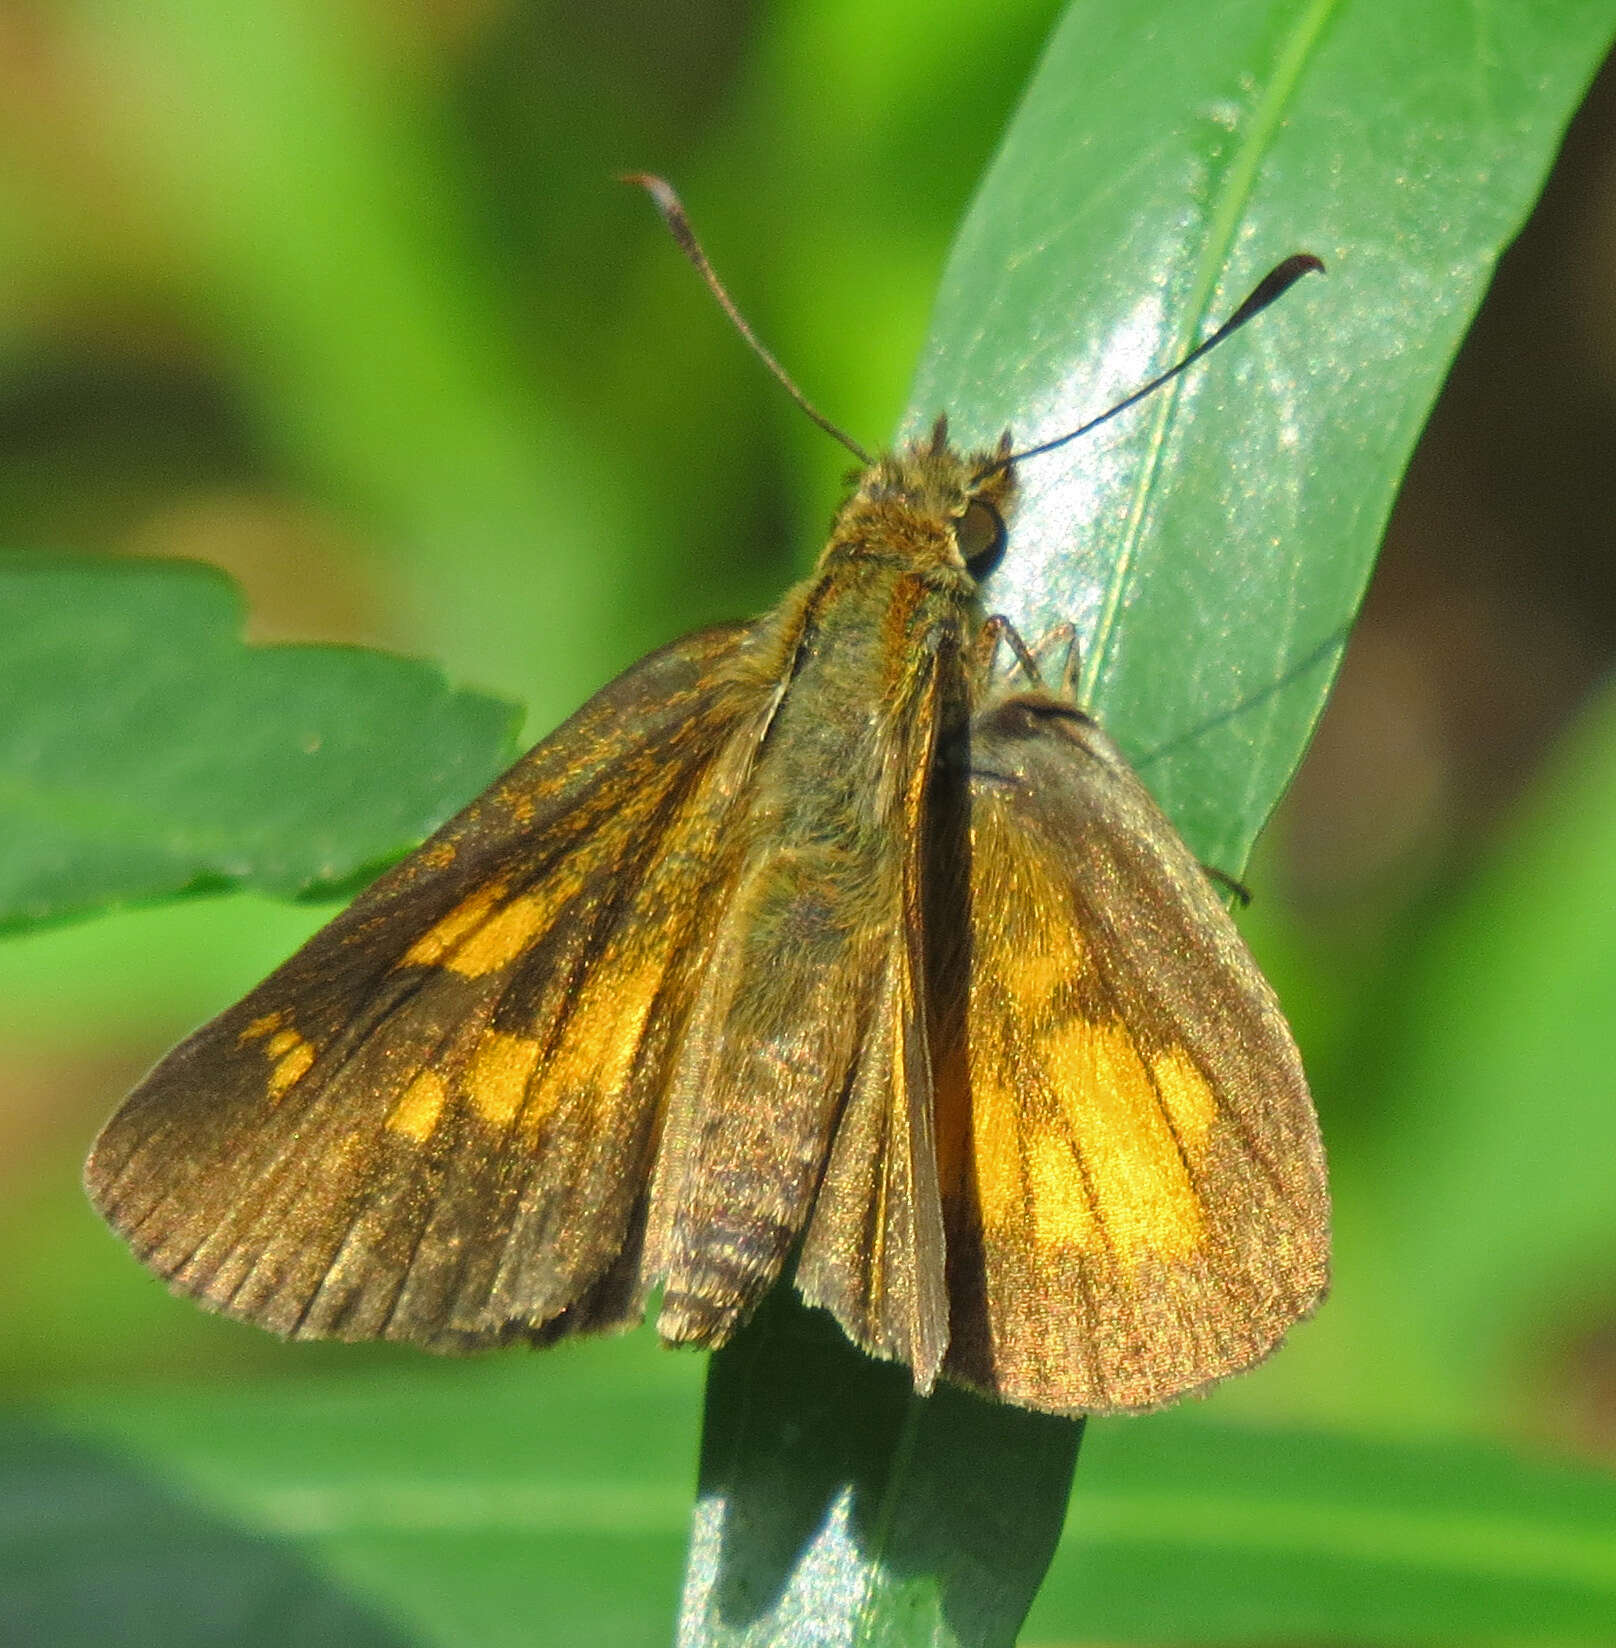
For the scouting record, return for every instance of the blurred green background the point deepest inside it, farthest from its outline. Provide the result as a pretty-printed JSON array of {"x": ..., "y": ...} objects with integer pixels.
[{"x": 422, "y": 377}]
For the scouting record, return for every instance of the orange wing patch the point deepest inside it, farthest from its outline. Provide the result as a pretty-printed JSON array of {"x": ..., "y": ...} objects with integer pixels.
[
  {"x": 289, "y": 1053},
  {"x": 1050, "y": 1182},
  {"x": 603, "y": 1035},
  {"x": 439, "y": 942},
  {"x": 501, "y": 1068},
  {"x": 420, "y": 1107},
  {"x": 505, "y": 935},
  {"x": 1133, "y": 1155},
  {"x": 292, "y": 1056},
  {"x": 588, "y": 1057},
  {"x": 261, "y": 1027},
  {"x": 592, "y": 1060},
  {"x": 1075, "y": 1128}
]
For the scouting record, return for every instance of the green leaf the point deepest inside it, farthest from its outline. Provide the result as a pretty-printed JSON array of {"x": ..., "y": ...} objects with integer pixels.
[
  {"x": 540, "y": 1499},
  {"x": 146, "y": 750},
  {"x": 837, "y": 1506},
  {"x": 1211, "y": 546}
]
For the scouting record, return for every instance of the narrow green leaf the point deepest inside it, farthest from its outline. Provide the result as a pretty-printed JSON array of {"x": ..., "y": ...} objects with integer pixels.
[
  {"x": 1211, "y": 546},
  {"x": 835, "y": 1506},
  {"x": 146, "y": 750}
]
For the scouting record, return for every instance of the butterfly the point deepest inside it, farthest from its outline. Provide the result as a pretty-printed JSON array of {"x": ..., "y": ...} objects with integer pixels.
[{"x": 838, "y": 944}]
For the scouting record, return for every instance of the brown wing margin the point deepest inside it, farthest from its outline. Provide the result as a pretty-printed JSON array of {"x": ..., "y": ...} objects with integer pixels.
[
  {"x": 1143, "y": 1207},
  {"x": 436, "y": 1121}
]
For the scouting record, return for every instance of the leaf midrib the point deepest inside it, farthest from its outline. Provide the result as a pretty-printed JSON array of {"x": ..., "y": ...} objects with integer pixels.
[{"x": 1216, "y": 248}]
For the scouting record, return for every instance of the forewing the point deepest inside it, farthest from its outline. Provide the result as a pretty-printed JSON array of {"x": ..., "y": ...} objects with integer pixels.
[
  {"x": 436, "y": 1121},
  {"x": 1134, "y": 1183}
]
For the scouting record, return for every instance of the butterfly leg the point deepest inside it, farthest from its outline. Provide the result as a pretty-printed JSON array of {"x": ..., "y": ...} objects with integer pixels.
[
  {"x": 1063, "y": 636},
  {"x": 999, "y": 631}
]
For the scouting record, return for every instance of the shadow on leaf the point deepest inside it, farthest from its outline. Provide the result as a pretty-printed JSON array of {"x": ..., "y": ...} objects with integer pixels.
[{"x": 830, "y": 1492}]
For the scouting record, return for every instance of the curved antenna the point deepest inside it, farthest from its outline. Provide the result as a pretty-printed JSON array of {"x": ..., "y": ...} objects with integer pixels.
[
  {"x": 1271, "y": 287},
  {"x": 673, "y": 214}
]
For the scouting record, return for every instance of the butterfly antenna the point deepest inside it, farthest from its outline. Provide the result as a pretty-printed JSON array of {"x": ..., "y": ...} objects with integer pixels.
[
  {"x": 673, "y": 214},
  {"x": 1269, "y": 289}
]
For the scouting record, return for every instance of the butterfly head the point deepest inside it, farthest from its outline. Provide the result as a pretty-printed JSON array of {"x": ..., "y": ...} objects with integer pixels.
[{"x": 933, "y": 505}]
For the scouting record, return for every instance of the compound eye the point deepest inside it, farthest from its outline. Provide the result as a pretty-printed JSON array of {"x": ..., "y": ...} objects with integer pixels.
[{"x": 979, "y": 534}]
